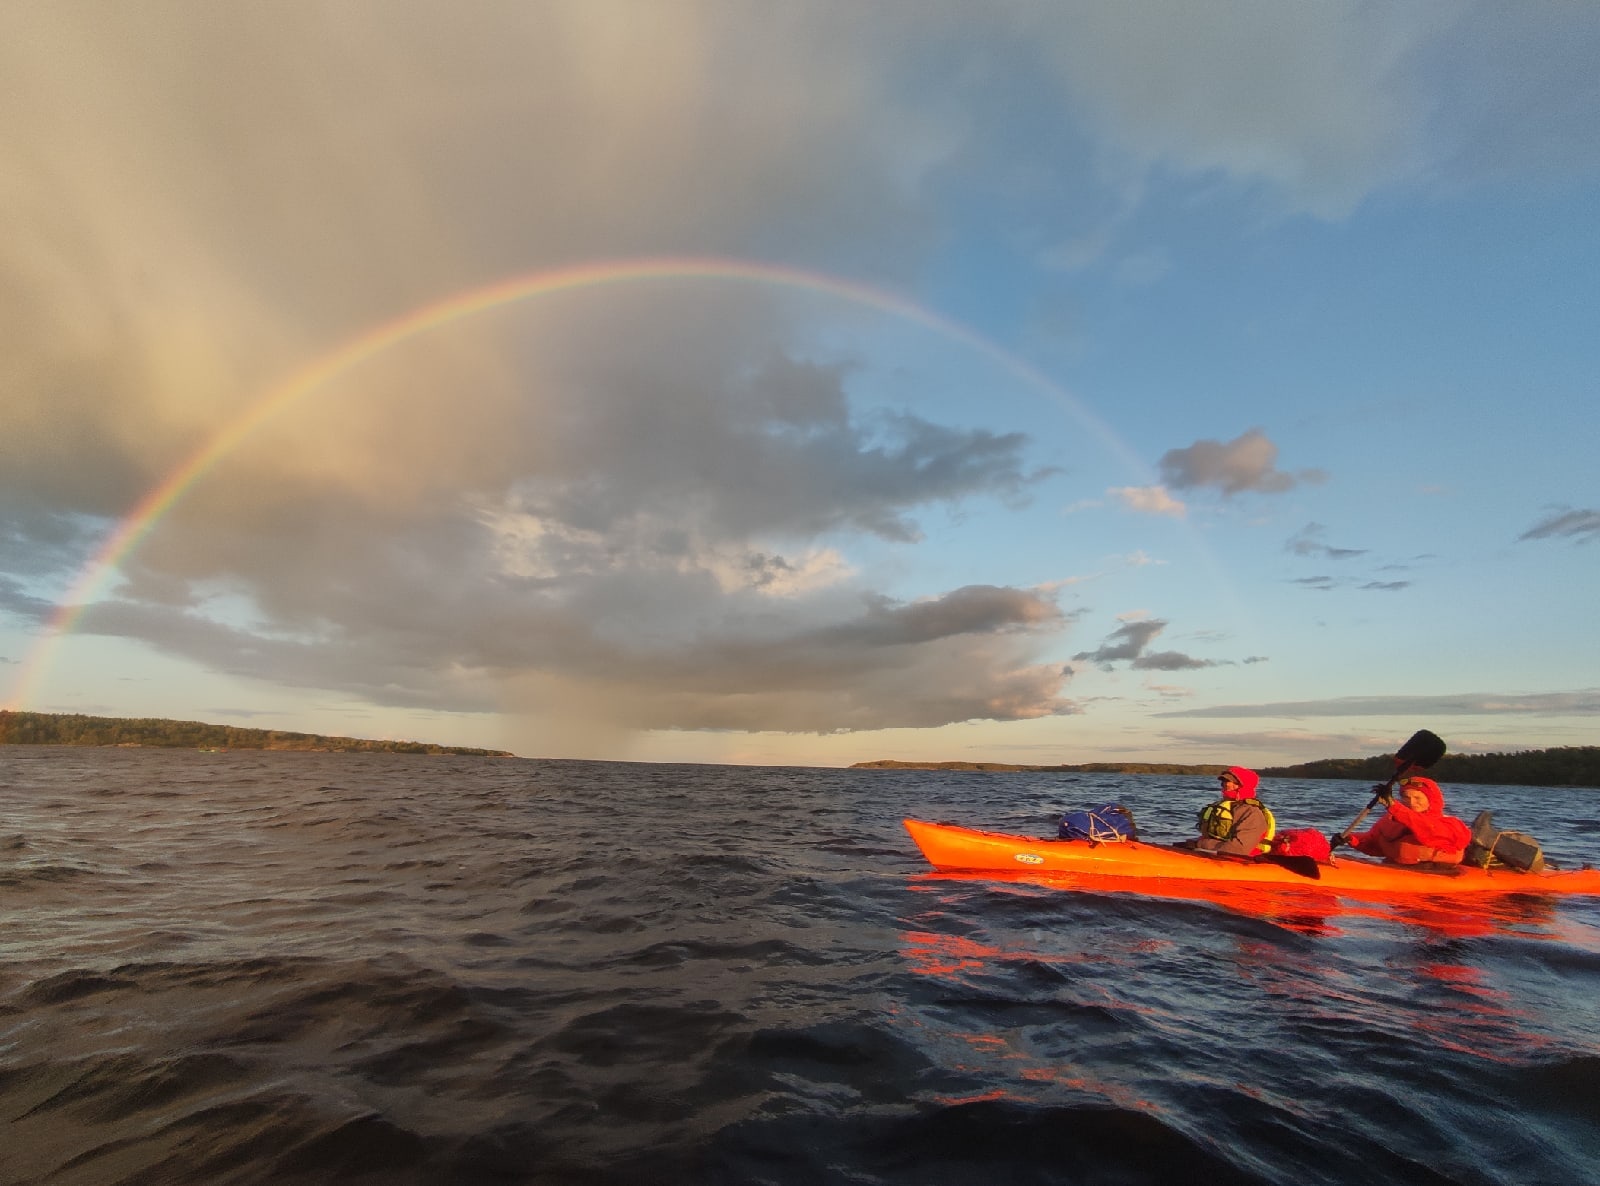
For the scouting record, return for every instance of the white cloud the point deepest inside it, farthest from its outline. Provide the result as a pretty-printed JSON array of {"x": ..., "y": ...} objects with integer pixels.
[{"x": 1149, "y": 500}]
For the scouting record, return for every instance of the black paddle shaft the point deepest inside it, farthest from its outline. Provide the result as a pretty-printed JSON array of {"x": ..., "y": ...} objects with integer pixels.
[{"x": 1419, "y": 752}]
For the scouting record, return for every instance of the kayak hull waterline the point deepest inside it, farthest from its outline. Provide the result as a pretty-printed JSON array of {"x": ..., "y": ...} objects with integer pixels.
[{"x": 949, "y": 847}]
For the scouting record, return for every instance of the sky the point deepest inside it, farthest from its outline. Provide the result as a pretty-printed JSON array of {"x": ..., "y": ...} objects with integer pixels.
[{"x": 806, "y": 383}]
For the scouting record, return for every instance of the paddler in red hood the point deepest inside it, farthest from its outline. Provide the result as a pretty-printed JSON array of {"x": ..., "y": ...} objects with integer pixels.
[
  {"x": 1415, "y": 828},
  {"x": 1237, "y": 823}
]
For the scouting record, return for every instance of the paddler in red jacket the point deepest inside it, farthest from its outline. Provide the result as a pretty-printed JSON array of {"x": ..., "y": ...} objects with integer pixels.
[
  {"x": 1415, "y": 828},
  {"x": 1237, "y": 823}
]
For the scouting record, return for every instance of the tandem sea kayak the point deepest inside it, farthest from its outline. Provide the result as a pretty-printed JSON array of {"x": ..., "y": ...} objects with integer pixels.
[{"x": 1149, "y": 866}]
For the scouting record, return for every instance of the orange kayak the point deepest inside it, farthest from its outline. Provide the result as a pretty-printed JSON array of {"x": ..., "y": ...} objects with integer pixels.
[{"x": 949, "y": 847}]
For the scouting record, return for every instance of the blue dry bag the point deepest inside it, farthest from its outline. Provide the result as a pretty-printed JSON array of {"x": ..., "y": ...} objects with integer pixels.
[{"x": 1110, "y": 823}]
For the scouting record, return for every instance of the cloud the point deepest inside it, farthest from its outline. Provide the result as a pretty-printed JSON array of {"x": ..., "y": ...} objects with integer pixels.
[
  {"x": 1246, "y": 463},
  {"x": 1580, "y": 703},
  {"x": 1325, "y": 583},
  {"x": 16, "y": 600},
  {"x": 960, "y": 656},
  {"x": 1314, "y": 102},
  {"x": 1130, "y": 642},
  {"x": 1580, "y": 525},
  {"x": 663, "y": 537},
  {"x": 1320, "y": 106},
  {"x": 1308, "y": 542},
  {"x": 1141, "y": 559},
  {"x": 186, "y": 221},
  {"x": 1170, "y": 691},
  {"x": 1149, "y": 500},
  {"x": 650, "y": 500},
  {"x": 1170, "y": 661},
  {"x": 1126, "y": 642},
  {"x": 645, "y": 499}
]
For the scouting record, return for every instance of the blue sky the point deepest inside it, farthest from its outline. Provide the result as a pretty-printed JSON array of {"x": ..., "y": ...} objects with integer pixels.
[{"x": 1249, "y": 414}]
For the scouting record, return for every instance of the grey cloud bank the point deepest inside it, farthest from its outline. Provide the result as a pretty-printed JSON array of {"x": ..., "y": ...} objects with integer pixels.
[{"x": 1582, "y": 703}]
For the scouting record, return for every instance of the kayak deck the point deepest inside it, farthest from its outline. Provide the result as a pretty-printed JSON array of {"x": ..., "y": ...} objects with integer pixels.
[{"x": 948, "y": 847}]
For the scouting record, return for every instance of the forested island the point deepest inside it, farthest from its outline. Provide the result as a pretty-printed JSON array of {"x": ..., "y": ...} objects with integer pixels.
[
  {"x": 48, "y": 728},
  {"x": 1566, "y": 766}
]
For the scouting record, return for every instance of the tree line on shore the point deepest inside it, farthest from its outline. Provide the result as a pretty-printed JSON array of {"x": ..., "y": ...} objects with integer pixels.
[
  {"x": 48, "y": 728},
  {"x": 1565, "y": 766}
]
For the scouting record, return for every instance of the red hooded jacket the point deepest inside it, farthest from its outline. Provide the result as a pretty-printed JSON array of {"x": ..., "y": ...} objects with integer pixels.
[{"x": 1431, "y": 828}]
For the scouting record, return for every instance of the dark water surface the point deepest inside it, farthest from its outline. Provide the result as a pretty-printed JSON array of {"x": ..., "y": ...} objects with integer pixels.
[{"x": 298, "y": 968}]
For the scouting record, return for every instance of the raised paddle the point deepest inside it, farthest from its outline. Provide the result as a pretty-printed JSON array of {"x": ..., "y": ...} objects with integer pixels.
[{"x": 1422, "y": 750}]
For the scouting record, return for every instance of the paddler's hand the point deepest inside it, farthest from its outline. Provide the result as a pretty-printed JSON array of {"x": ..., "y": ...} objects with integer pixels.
[
  {"x": 1338, "y": 841},
  {"x": 1383, "y": 794}
]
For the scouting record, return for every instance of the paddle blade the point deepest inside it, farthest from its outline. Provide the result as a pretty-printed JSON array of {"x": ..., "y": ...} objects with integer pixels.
[{"x": 1421, "y": 751}]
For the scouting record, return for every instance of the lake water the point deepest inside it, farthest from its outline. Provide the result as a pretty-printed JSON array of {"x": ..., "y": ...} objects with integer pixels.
[{"x": 305, "y": 968}]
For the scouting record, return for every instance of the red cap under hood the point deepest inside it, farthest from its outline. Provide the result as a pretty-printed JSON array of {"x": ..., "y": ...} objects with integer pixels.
[{"x": 1249, "y": 780}]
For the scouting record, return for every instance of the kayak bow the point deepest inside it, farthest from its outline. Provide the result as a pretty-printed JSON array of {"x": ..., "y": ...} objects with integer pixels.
[{"x": 949, "y": 847}]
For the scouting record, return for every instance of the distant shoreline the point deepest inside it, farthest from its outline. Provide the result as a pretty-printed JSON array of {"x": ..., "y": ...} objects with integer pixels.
[
  {"x": 1566, "y": 766},
  {"x": 75, "y": 729}
]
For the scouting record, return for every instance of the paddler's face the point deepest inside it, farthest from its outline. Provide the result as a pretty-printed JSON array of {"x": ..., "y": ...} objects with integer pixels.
[{"x": 1415, "y": 798}]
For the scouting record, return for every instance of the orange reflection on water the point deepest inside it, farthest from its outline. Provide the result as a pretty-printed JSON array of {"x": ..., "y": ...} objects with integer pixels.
[
  {"x": 1450, "y": 1004},
  {"x": 981, "y": 1054},
  {"x": 1478, "y": 1019},
  {"x": 1305, "y": 911},
  {"x": 1112, "y": 1093},
  {"x": 1310, "y": 910},
  {"x": 1530, "y": 916},
  {"x": 929, "y": 953}
]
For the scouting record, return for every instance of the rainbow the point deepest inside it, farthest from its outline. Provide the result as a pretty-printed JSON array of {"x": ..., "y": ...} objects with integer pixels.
[{"x": 326, "y": 368}]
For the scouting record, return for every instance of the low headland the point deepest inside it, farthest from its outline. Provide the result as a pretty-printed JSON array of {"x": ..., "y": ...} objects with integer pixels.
[
  {"x": 48, "y": 728},
  {"x": 1566, "y": 766}
]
